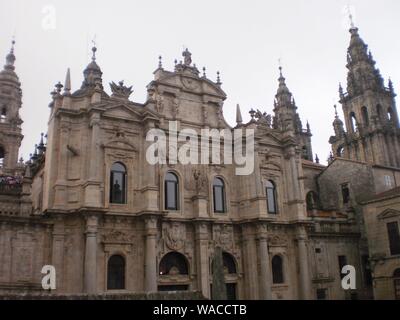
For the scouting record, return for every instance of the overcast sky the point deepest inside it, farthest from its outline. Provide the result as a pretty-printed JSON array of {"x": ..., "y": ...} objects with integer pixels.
[{"x": 242, "y": 39}]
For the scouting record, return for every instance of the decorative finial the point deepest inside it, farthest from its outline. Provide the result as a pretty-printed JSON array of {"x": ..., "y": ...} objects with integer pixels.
[
  {"x": 175, "y": 62},
  {"x": 10, "y": 59},
  {"x": 12, "y": 44},
  {"x": 252, "y": 114},
  {"x": 59, "y": 86},
  {"x": 219, "y": 78},
  {"x": 308, "y": 127},
  {"x": 316, "y": 159},
  {"x": 204, "y": 72},
  {"x": 336, "y": 113},
  {"x": 239, "y": 119},
  {"x": 160, "y": 62},
  {"x": 67, "y": 86},
  {"x": 94, "y": 49},
  {"x": 391, "y": 88},
  {"x": 351, "y": 18}
]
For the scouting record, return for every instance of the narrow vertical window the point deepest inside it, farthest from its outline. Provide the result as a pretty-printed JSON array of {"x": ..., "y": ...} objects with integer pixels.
[
  {"x": 277, "y": 270},
  {"x": 394, "y": 238},
  {"x": 346, "y": 194},
  {"x": 171, "y": 191},
  {"x": 219, "y": 196},
  {"x": 271, "y": 197},
  {"x": 365, "y": 116},
  {"x": 118, "y": 184},
  {"x": 116, "y": 273}
]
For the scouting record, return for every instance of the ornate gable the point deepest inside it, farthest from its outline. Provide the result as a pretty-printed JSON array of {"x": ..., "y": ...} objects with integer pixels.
[{"x": 389, "y": 213}]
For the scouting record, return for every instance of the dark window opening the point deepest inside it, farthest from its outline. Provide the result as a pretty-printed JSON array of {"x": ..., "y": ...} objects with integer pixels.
[
  {"x": 379, "y": 111},
  {"x": 312, "y": 201},
  {"x": 346, "y": 194},
  {"x": 219, "y": 196},
  {"x": 173, "y": 263},
  {"x": 367, "y": 270},
  {"x": 116, "y": 273},
  {"x": 321, "y": 294},
  {"x": 171, "y": 192},
  {"x": 277, "y": 270},
  {"x": 118, "y": 184},
  {"x": 3, "y": 114},
  {"x": 340, "y": 152},
  {"x": 394, "y": 238},
  {"x": 365, "y": 116},
  {"x": 2, "y": 155},
  {"x": 396, "y": 282},
  {"x": 170, "y": 288},
  {"x": 271, "y": 197},
  {"x": 354, "y": 123},
  {"x": 342, "y": 262}
]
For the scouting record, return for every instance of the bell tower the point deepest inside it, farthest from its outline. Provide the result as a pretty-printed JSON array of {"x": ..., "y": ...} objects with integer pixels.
[
  {"x": 10, "y": 121},
  {"x": 372, "y": 132}
]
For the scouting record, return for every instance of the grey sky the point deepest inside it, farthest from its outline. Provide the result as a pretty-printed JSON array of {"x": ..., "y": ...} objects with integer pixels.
[{"x": 242, "y": 39}]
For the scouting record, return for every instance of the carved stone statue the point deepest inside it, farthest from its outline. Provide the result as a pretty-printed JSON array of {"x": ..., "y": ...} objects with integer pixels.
[{"x": 187, "y": 57}]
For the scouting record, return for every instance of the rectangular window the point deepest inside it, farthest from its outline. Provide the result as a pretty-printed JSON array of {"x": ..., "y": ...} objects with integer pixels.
[
  {"x": 321, "y": 294},
  {"x": 346, "y": 194},
  {"x": 342, "y": 262},
  {"x": 394, "y": 238},
  {"x": 388, "y": 181},
  {"x": 172, "y": 197},
  {"x": 219, "y": 201}
]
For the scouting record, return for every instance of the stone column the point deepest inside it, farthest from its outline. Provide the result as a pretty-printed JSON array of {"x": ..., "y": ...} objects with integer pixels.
[
  {"x": 202, "y": 259},
  {"x": 250, "y": 263},
  {"x": 93, "y": 186},
  {"x": 151, "y": 255},
  {"x": 58, "y": 252},
  {"x": 265, "y": 269},
  {"x": 60, "y": 198},
  {"x": 305, "y": 279},
  {"x": 90, "y": 273},
  {"x": 94, "y": 148}
]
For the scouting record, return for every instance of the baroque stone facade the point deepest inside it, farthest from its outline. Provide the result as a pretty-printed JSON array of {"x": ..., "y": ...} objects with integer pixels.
[{"x": 89, "y": 203}]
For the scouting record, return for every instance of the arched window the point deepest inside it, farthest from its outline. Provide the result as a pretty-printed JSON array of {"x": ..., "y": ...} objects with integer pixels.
[
  {"x": 118, "y": 183},
  {"x": 340, "y": 152},
  {"x": 353, "y": 120},
  {"x": 271, "y": 197},
  {"x": 396, "y": 279},
  {"x": 229, "y": 263},
  {"x": 312, "y": 201},
  {"x": 171, "y": 191},
  {"x": 365, "y": 117},
  {"x": 277, "y": 270},
  {"x": 173, "y": 263},
  {"x": 390, "y": 114},
  {"x": 116, "y": 273},
  {"x": 3, "y": 114},
  {"x": 379, "y": 111},
  {"x": 219, "y": 196},
  {"x": 230, "y": 271}
]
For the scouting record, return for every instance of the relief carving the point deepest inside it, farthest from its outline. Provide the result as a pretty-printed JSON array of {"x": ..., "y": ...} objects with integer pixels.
[{"x": 174, "y": 236}]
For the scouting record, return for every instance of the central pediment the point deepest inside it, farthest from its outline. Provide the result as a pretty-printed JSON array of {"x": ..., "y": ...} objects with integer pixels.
[{"x": 122, "y": 111}]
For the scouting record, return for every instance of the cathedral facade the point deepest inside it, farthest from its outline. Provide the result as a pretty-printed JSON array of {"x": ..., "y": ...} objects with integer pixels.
[{"x": 89, "y": 203}]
